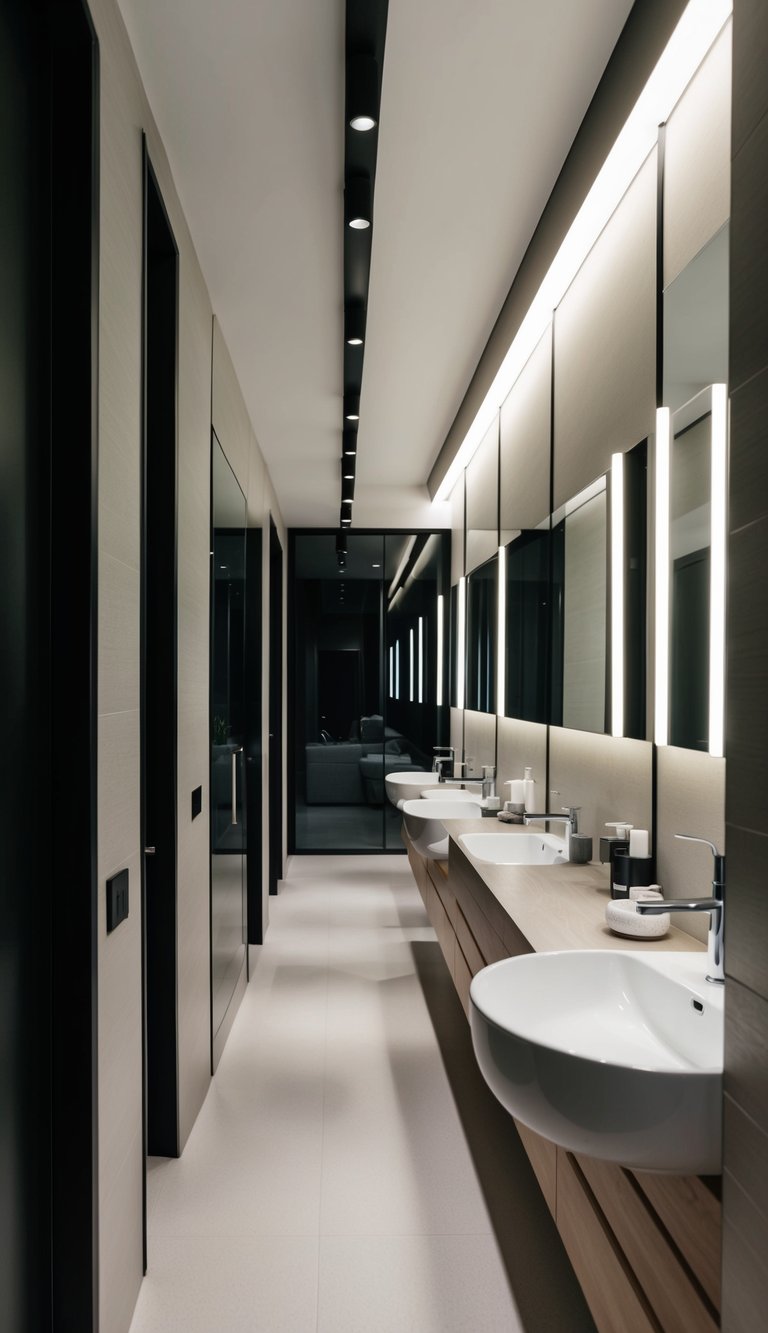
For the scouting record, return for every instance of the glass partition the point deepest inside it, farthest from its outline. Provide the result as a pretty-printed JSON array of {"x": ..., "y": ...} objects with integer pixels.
[
  {"x": 227, "y": 784},
  {"x": 370, "y": 656}
]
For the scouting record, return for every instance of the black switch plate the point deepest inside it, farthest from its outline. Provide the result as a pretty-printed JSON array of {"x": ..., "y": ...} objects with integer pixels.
[
  {"x": 117, "y": 899},
  {"x": 197, "y": 802}
]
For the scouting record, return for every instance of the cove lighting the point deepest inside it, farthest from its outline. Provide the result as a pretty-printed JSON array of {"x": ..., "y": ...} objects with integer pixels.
[
  {"x": 440, "y": 630},
  {"x": 617, "y": 595},
  {"x": 501, "y": 631},
  {"x": 461, "y": 607},
  {"x": 717, "y": 570},
  {"x": 410, "y": 665},
  {"x": 397, "y": 669},
  {"x": 420, "y": 695},
  {"x": 697, "y": 29},
  {"x": 661, "y": 692},
  {"x": 391, "y": 671}
]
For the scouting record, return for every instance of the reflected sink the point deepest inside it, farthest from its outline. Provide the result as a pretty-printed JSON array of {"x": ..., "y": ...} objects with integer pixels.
[
  {"x": 618, "y": 1055},
  {"x": 425, "y": 822},
  {"x": 407, "y": 785},
  {"x": 515, "y": 849}
]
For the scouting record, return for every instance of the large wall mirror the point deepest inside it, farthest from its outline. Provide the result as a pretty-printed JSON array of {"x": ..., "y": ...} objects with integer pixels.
[
  {"x": 481, "y": 612},
  {"x": 695, "y": 360}
]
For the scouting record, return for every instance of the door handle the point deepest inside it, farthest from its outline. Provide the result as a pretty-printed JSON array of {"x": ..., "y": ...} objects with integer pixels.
[
  {"x": 234, "y": 786},
  {"x": 149, "y": 851}
]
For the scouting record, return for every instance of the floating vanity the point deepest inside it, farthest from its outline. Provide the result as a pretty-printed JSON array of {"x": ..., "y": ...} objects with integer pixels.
[{"x": 645, "y": 1247}]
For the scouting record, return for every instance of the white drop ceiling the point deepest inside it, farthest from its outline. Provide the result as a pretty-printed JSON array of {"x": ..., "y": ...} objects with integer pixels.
[{"x": 480, "y": 104}]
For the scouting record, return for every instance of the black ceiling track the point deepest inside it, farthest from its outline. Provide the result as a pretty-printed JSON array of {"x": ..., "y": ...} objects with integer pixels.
[{"x": 366, "y": 27}]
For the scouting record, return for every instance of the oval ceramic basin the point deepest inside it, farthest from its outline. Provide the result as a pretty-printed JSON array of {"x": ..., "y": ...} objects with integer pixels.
[
  {"x": 446, "y": 793},
  {"x": 615, "y": 1054},
  {"x": 425, "y": 823},
  {"x": 515, "y": 849},
  {"x": 407, "y": 785}
]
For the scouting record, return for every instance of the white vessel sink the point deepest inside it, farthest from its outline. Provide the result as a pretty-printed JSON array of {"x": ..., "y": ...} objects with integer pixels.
[
  {"x": 407, "y": 785},
  {"x": 515, "y": 849},
  {"x": 425, "y": 822},
  {"x": 447, "y": 793},
  {"x": 618, "y": 1055}
]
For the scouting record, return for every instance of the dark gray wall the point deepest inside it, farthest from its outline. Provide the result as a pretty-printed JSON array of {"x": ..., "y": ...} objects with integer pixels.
[{"x": 745, "y": 1180}]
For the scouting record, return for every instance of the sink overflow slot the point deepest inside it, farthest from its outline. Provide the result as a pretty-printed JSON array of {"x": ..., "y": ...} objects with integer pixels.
[{"x": 698, "y": 1006}]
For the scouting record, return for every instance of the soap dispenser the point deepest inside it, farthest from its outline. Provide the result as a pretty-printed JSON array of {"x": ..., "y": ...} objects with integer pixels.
[
  {"x": 616, "y": 843},
  {"x": 530, "y": 795}
]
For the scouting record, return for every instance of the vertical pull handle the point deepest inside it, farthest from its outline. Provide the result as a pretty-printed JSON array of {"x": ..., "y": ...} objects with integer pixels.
[{"x": 234, "y": 786}]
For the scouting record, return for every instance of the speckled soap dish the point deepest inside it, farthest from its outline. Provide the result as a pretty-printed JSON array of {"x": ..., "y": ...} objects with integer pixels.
[{"x": 621, "y": 916}]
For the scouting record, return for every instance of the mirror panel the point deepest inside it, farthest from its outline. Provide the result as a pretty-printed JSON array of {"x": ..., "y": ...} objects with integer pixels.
[
  {"x": 481, "y": 611},
  {"x": 482, "y": 479},
  {"x": 580, "y": 588}
]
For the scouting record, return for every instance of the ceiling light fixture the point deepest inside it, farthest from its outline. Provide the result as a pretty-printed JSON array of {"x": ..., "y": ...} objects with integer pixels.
[
  {"x": 362, "y": 93},
  {"x": 349, "y": 443},
  {"x": 357, "y": 203},
  {"x": 354, "y": 324},
  {"x": 351, "y": 407}
]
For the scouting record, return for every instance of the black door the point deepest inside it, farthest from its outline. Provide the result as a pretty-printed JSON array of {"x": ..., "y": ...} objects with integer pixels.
[
  {"x": 48, "y": 543},
  {"x": 159, "y": 674},
  {"x": 275, "y": 708}
]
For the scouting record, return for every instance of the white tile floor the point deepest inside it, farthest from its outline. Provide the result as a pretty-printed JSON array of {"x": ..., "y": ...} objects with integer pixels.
[{"x": 333, "y": 1178}]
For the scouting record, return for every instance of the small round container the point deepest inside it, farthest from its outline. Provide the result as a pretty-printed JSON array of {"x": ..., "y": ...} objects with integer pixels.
[
  {"x": 622, "y": 917},
  {"x": 580, "y": 848}
]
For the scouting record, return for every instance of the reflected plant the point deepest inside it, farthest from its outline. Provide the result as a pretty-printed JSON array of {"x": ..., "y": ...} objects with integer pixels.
[{"x": 220, "y": 729}]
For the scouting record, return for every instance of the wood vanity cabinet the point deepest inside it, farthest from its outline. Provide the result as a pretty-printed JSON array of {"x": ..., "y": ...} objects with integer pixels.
[{"x": 645, "y": 1248}]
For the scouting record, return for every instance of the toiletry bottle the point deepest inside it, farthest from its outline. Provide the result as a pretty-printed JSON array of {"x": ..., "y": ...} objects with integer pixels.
[
  {"x": 514, "y": 806},
  {"x": 530, "y": 794}
]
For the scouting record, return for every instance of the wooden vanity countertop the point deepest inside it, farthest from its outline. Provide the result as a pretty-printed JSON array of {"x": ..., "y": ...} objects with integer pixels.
[{"x": 558, "y": 906}]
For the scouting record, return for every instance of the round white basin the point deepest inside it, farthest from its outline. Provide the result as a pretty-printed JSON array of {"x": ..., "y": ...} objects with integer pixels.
[
  {"x": 425, "y": 823},
  {"x": 407, "y": 785},
  {"x": 618, "y": 1055},
  {"x": 446, "y": 793}
]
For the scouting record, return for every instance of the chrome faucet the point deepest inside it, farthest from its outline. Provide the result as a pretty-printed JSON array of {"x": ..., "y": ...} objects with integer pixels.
[
  {"x": 443, "y": 755},
  {"x": 569, "y": 817},
  {"x": 714, "y": 905},
  {"x": 487, "y": 777}
]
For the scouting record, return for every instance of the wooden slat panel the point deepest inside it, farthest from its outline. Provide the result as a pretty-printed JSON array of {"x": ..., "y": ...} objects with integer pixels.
[
  {"x": 462, "y": 977},
  {"x": 692, "y": 1216},
  {"x": 418, "y": 867},
  {"x": 616, "y": 1303},
  {"x": 674, "y": 1297},
  {"x": 467, "y": 941},
  {"x": 487, "y": 939},
  {"x": 542, "y": 1154},
  {"x": 443, "y": 929}
]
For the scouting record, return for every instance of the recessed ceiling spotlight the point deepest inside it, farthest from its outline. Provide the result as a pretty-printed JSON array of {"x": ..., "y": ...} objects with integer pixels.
[
  {"x": 346, "y": 501},
  {"x": 351, "y": 407},
  {"x": 348, "y": 476},
  {"x": 362, "y": 93},
  {"x": 349, "y": 445},
  {"x": 354, "y": 324},
  {"x": 375, "y": 566},
  {"x": 357, "y": 202}
]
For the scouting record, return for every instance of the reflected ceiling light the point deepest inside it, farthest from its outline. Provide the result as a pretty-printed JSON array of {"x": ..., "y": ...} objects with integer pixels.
[
  {"x": 362, "y": 93},
  {"x": 501, "y": 631},
  {"x": 439, "y": 682},
  {"x": 374, "y": 566},
  {"x": 699, "y": 26},
  {"x": 351, "y": 406},
  {"x": 357, "y": 202},
  {"x": 461, "y": 605},
  {"x": 354, "y": 324}
]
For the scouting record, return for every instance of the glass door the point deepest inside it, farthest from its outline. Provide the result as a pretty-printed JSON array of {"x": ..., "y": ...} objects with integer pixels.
[{"x": 227, "y": 788}]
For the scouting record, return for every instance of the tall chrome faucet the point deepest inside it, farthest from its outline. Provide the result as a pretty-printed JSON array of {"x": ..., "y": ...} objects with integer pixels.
[
  {"x": 568, "y": 815},
  {"x": 443, "y": 756},
  {"x": 714, "y": 905}
]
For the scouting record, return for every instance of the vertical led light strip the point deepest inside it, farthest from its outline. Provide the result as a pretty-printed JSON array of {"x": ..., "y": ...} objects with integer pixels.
[
  {"x": 391, "y": 671},
  {"x": 717, "y": 570},
  {"x": 617, "y": 595},
  {"x": 440, "y": 631},
  {"x": 461, "y": 608},
  {"x": 420, "y": 695},
  {"x": 410, "y": 665},
  {"x": 661, "y": 691},
  {"x": 397, "y": 669},
  {"x": 501, "y": 631}
]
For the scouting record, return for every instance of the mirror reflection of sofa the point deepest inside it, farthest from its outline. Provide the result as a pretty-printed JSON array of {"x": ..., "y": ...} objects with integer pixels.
[{"x": 352, "y": 772}]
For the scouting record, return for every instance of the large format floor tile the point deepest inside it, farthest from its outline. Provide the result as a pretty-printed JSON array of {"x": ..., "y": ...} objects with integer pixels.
[{"x": 349, "y": 1169}]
